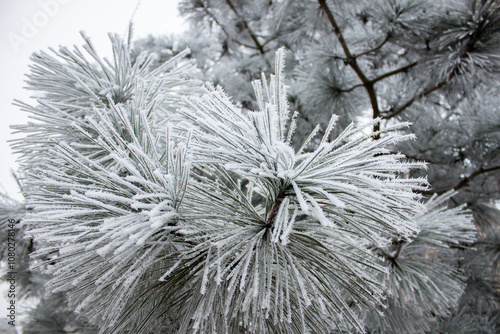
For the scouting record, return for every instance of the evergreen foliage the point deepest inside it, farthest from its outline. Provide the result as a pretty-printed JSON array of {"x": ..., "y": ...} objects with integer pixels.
[{"x": 253, "y": 204}]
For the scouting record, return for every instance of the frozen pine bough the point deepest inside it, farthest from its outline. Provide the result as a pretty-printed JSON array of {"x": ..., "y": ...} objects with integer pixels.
[{"x": 160, "y": 206}]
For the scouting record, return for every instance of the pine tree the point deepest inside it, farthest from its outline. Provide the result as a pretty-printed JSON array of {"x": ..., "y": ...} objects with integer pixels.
[
  {"x": 155, "y": 203},
  {"x": 431, "y": 63}
]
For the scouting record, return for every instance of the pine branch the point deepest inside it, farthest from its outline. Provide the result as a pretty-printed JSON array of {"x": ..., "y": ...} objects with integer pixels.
[
  {"x": 271, "y": 38},
  {"x": 466, "y": 180},
  {"x": 423, "y": 280},
  {"x": 274, "y": 210},
  {"x": 247, "y": 27},
  {"x": 403, "y": 69},
  {"x": 399, "y": 246},
  {"x": 378, "y": 47},
  {"x": 224, "y": 30},
  {"x": 465, "y": 50},
  {"x": 276, "y": 205},
  {"x": 347, "y": 90},
  {"x": 352, "y": 62},
  {"x": 382, "y": 77},
  {"x": 388, "y": 114},
  {"x": 392, "y": 257}
]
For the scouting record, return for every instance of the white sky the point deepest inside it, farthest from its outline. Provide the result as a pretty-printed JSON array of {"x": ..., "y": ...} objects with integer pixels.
[{"x": 27, "y": 26}]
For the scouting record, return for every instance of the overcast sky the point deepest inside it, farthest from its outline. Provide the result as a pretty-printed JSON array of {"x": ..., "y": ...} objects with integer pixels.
[{"x": 27, "y": 26}]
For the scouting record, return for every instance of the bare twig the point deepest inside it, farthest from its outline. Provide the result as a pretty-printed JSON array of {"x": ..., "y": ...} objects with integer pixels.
[
  {"x": 224, "y": 30},
  {"x": 352, "y": 62},
  {"x": 390, "y": 114},
  {"x": 347, "y": 90},
  {"x": 466, "y": 180},
  {"x": 381, "y": 77},
  {"x": 394, "y": 72},
  {"x": 247, "y": 27},
  {"x": 378, "y": 47},
  {"x": 392, "y": 257}
]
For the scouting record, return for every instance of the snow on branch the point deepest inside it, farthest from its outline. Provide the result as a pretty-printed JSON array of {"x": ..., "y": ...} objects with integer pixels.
[{"x": 217, "y": 223}]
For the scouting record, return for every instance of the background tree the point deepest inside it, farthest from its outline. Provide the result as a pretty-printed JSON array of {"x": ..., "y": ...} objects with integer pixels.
[{"x": 431, "y": 63}]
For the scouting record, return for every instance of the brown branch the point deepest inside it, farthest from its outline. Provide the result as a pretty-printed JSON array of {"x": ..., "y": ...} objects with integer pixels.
[
  {"x": 352, "y": 62},
  {"x": 271, "y": 217},
  {"x": 395, "y": 255},
  {"x": 271, "y": 38},
  {"x": 381, "y": 77},
  {"x": 465, "y": 181},
  {"x": 31, "y": 247},
  {"x": 398, "y": 250},
  {"x": 417, "y": 97},
  {"x": 224, "y": 30},
  {"x": 467, "y": 48},
  {"x": 247, "y": 27},
  {"x": 340, "y": 36},
  {"x": 375, "y": 48},
  {"x": 347, "y": 90},
  {"x": 394, "y": 72},
  {"x": 274, "y": 211}
]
